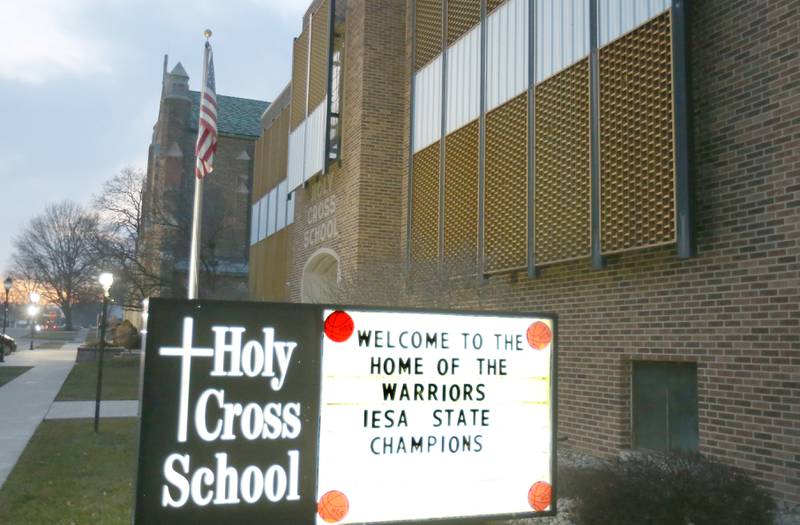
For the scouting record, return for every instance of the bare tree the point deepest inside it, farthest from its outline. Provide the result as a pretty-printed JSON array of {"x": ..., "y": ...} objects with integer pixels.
[
  {"x": 22, "y": 287},
  {"x": 119, "y": 204},
  {"x": 121, "y": 208},
  {"x": 144, "y": 239},
  {"x": 56, "y": 249}
]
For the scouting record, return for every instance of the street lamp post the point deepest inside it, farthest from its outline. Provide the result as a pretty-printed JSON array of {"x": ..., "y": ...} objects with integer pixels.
[
  {"x": 145, "y": 315},
  {"x": 33, "y": 309},
  {"x": 7, "y": 284},
  {"x": 106, "y": 280}
]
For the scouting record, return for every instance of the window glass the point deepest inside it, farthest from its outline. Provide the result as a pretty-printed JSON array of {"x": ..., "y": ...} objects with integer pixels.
[
  {"x": 281, "y": 219},
  {"x": 254, "y": 223},
  {"x": 290, "y": 208},
  {"x": 273, "y": 208},
  {"x": 262, "y": 218}
]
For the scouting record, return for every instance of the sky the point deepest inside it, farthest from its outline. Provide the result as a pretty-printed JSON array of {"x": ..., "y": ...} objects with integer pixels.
[{"x": 80, "y": 82}]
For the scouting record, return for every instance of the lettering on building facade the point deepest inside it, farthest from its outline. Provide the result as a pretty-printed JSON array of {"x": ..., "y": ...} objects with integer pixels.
[{"x": 321, "y": 215}]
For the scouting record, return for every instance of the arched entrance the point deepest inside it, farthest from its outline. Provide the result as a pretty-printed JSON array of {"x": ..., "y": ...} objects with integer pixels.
[{"x": 320, "y": 277}]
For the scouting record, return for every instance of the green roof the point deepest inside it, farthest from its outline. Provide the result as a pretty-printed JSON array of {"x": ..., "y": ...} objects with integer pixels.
[{"x": 236, "y": 116}]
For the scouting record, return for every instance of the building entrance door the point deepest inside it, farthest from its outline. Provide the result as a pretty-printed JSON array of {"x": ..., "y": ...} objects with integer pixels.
[{"x": 320, "y": 277}]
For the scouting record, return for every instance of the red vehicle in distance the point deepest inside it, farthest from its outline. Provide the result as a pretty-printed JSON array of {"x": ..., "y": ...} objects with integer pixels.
[{"x": 52, "y": 318}]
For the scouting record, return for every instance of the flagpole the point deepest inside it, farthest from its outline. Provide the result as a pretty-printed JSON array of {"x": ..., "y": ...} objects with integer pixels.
[
  {"x": 193, "y": 255},
  {"x": 197, "y": 209}
]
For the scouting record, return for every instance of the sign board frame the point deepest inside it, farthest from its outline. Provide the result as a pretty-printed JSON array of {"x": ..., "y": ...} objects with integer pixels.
[{"x": 172, "y": 307}]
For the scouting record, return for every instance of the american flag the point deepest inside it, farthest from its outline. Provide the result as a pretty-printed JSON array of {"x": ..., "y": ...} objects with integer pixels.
[{"x": 207, "y": 125}]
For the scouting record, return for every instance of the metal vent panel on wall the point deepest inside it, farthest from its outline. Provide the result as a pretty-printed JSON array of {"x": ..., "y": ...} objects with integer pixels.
[
  {"x": 461, "y": 199},
  {"x": 261, "y": 171},
  {"x": 297, "y": 146},
  {"x": 428, "y": 31},
  {"x": 617, "y": 17},
  {"x": 637, "y": 152},
  {"x": 261, "y": 149},
  {"x": 463, "y": 80},
  {"x": 506, "y": 53},
  {"x": 307, "y": 148},
  {"x": 425, "y": 207},
  {"x": 428, "y": 105},
  {"x": 491, "y": 5},
  {"x": 462, "y": 16},
  {"x": 275, "y": 267},
  {"x": 562, "y": 35},
  {"x": 636, "y": 139},
  {"x": 315, "y": 140},
  {"x": 299, "y": 76},
  {"x": 506, "y": 186},
  {"x": 279, "y": 148},
  {"x": 563, "y": 166}
]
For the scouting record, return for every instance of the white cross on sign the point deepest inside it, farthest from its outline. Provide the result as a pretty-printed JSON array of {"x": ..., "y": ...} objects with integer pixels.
[{"x": 186, "y": 353}]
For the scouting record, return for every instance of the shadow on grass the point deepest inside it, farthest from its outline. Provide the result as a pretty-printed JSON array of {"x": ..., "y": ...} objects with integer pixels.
[
  {"x": 8, "y": 373},
  {"x": 120, "y": 380},
  {"x": 70, "y": 475}
]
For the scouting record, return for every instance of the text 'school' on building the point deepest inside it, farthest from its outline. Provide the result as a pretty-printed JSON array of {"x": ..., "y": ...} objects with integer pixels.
[
  {"x": 168, "y": 191},
  {"x": 631, "y": 166}
]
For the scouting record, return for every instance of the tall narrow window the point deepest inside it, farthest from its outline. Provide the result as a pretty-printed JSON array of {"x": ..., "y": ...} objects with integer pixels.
[
  {"x": 336, "y": 84},
  {"x": 281, "y": 212},
  {"x": 262, "y": 217},
  {"x": 255, "y": 210},
  {"x": 334, "y": 121},
  {"x": 290, "y": 208},
  {"x": 273, "y": 211}
]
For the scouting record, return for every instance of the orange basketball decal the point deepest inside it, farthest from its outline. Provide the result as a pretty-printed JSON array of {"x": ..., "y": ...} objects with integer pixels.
[
  {"x": 339, "y": 326},
  {"x": 539, "y": 335},
  {"x": 333, "y": 505},
  {"x": 539, "y": 495}
]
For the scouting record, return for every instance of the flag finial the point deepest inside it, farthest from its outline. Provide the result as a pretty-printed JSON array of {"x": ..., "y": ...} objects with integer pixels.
[{"x": 207, "y": 33}]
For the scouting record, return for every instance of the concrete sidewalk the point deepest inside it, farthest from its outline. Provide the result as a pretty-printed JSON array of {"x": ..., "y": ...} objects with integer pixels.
[
  {"x": 25, "y": 400},
  {"x": 85, "y": 409}
]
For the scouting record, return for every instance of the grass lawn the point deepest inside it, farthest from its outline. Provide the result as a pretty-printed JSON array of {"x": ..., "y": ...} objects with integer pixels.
[
  {"x": 7, "y": 373},
  {"x": 120, "y": 380},
  {"x": 69, "y": 475}
]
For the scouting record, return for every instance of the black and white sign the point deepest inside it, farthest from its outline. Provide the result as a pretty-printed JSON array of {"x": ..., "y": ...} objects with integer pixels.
[
  {"x": 230, "y": 415},
  {"x": 302, "y": 414}
]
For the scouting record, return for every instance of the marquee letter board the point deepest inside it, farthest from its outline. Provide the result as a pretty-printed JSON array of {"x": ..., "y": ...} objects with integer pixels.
[{"x": 301, "y": 414}]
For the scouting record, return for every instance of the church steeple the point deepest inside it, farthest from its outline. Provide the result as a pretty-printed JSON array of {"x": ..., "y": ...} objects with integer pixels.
[{"x": 176, "y": 83}]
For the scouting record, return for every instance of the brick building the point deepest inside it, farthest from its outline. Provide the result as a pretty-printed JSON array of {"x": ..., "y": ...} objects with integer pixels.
[
  {"x": 169, "y": 187},
  {"x": 630, "y": 167}
]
